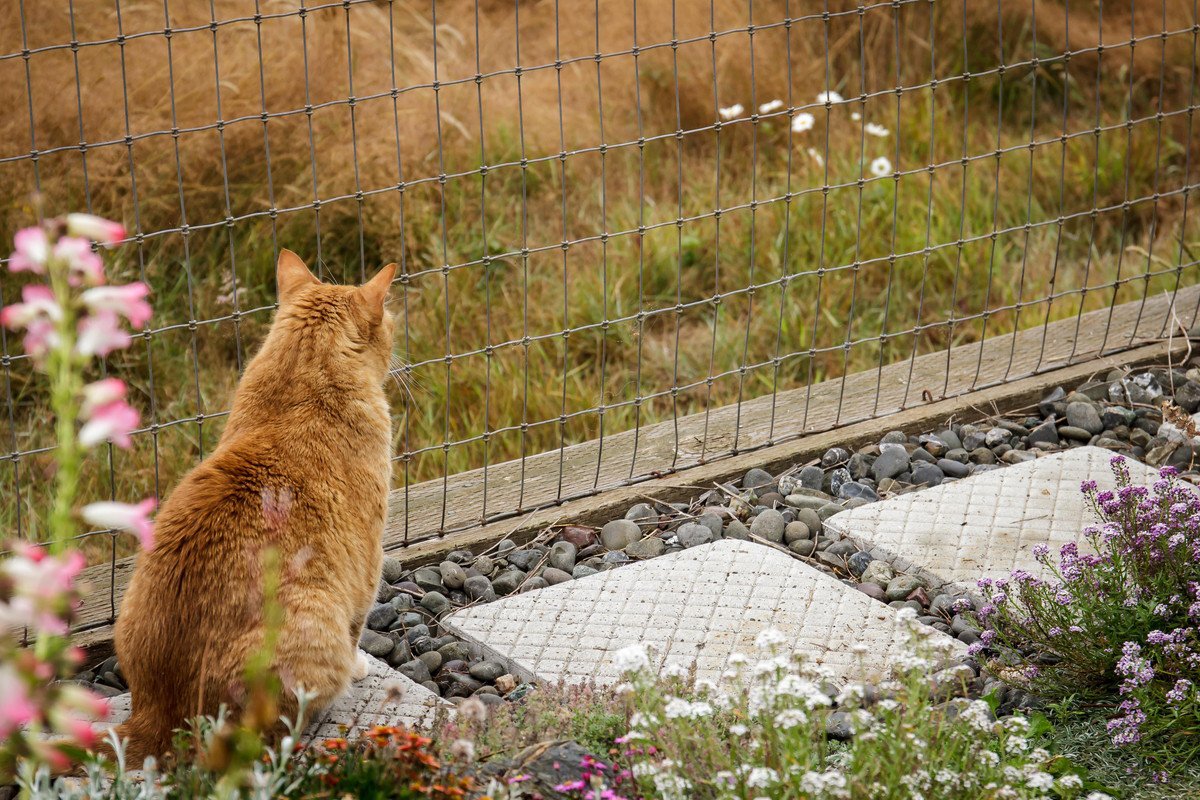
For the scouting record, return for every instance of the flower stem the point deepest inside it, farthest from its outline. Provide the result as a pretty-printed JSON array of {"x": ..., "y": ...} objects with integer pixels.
[{"x": 64, "y": 401}]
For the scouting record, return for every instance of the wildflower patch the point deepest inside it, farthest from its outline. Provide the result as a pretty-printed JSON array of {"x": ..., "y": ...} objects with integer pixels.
[
  {"x": 691, "y": 611},
  {"x": 987, "y": 525}
]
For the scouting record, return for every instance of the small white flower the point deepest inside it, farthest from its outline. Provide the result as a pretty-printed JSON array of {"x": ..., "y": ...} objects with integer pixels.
[
  {"x": 1098, "y": 796},
  {"x": 769, "y": 639},
  {"x": 790, "y": 718},
  {"x": 830, "y": 97},
  {"x": 1040, "y": 780},
  {"x": 738, "y": 659},
  {"x": 731, "y": 112},
  {"x": 859, "y": 649},
  {"x": 802, "y": 122},
  {"x": 631, "y": 659},
  {"x": 854, "y": 115},
  {"x": 875, "y": 130},
  {"x": 762, "y": 777},
  {"x": 773, "y": 105},
  {"x": 738, "y": 729},
  {"x": 644, "y": 769},
  {"x": 880, "y": 168},
  {"x": 672, "y": 787},
  {"x": 674, "y": 671},
  {"x": 1070, "y": 781},
  {"x": 815, "y": 156}
]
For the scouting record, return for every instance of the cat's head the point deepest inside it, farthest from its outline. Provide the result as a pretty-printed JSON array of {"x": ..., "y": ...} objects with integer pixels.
[{"x": 350, "y": 323}]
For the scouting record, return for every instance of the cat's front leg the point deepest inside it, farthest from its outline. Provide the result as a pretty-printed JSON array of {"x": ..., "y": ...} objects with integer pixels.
[{"x": 362, "y": 666}]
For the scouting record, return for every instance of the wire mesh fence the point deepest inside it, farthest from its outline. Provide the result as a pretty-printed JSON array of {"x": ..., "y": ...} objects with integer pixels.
[{"x": 608, "y": 215}]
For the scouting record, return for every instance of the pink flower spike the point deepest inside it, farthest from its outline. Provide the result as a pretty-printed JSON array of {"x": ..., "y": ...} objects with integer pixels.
[
  {"x": 128, "y": 301},
  {"x": 100, "y": 334},
  {"x": 32, "y": 250},
  {"x": 86, "y": 265},
  {"x": 40, "y": 338},
  {"x": 124, "y": 517},
  {"x": 40, "y": 303},
  {"x": 16, "y": 708},
  {"x": 112, "y": 422},
  {"x": 101, "y": 393},
  {"x": 97, "y": 228}
]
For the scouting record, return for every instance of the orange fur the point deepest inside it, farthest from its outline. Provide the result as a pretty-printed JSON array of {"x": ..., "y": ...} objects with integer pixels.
[{"x": 302, "y": 467}]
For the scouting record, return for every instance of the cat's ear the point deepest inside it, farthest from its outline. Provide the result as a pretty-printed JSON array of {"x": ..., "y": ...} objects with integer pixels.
[
  {"x": 291, "y": 275},
  {"x": 374, "y": 292}
]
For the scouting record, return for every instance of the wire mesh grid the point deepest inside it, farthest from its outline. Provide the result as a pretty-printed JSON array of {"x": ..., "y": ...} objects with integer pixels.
[{"x": 607, "y": 215}]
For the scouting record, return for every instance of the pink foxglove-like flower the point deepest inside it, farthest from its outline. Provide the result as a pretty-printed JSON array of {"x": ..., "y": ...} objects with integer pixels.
[
  {"x": 128, "y": 301},
  {"x": 97, "y": 228},
  {"x": 125, "y": 517},
  {"x": 32, "y": 250},
  {"x": 101, "y": 393},
  {"x": 16, "y": 707},
  {"x": 113, "y": 422},
  {"x": 39, "y": 303},
  {"x": 100, "y": 334},
  {"x": 86, "y": 265}
]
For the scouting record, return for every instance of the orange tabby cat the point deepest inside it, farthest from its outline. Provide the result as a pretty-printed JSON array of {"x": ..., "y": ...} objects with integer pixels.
[{"x": 302, "y": 468}]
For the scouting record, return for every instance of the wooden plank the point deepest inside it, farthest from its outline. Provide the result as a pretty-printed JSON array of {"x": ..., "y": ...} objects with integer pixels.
[{"x": 563, "y": 486}]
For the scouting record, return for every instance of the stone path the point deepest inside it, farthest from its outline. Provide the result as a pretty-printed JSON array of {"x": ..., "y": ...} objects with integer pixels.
[
  {"x": 693, "y": 608},
  {"x": 985, "y": 525},
  {"x": 384, "y": 697}
]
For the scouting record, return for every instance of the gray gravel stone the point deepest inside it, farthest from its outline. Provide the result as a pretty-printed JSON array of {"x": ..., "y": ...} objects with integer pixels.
[
  {"x": 691, "y": 534},
  {"x": 901, "y": 586},
  {"x": 435, "y": 603},
  {"x": 393, "y": 568},
  {"x": 641, "y": 512},
  {"x": 926, "y": 475},
  {"x": 735, "y": 529},
  {"x": 811, "y": 477},
  {"x": 834, "y": 456},
  {"x": 479, "y": 588},
  {"x": 619, "y": 533},
  {"x": 803, "y": 547},
  {"x": 381, "y": 617},
  {"x": 649, "y": 547},
  {"x": 375, "y": 644},
  {"x": 854, "y": 490},
  {"x": 713, "y": 521},
  {"x": 810, "y": 518},
  {"x": 858, "y": 562},
  {"x": 879, "y": 572},
  {"x": 453, "y": 575},
  {"x": 795, "y": 531},
  {"x": 554, "y": 576},
  {"x": 562, "y": 556},
  {"x": 415, "y": 670},
  {"x": 757, "y": 478},
  {"x": 768, "y": 525},
  {"x": 891, "y": 462},
  {"x": 1085, "y": 416},
  {"x": 508, "y": 581},
  {"x": 524, "y": 560},
  {"x": 953, "y": 468},
  {"x": 582, "y": 571}
]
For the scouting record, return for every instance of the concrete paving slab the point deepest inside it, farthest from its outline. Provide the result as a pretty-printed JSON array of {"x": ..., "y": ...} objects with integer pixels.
[
  {"x": 694, "y": 609},
  {"x": 365, "y": 704},
  {"x": 985, "y": 525}
]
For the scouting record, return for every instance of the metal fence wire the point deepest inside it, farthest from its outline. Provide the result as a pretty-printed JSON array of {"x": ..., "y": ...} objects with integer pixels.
[{"x": 609, "y": 215}]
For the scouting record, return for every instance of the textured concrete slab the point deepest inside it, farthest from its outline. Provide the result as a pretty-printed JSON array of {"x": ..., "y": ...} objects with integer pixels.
[
  {"x": 384, "y": 697},
  {"x": 694, "y": 609},
  {"x": 985, "y": 525}
]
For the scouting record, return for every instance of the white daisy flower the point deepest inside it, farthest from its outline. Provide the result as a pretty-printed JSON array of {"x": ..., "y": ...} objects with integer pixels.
[
  {"x": 854, "y": 115},
  {"x": 631, "y": 659},
  {"x": 875, "y": 130},
  {"x": 830, "y": 97},
  {"x": 802, "y": 122},
  {"x": 880, "y": 168},
  {"x": 767, "y": 108},
  {"x": 731, "y": 112}
]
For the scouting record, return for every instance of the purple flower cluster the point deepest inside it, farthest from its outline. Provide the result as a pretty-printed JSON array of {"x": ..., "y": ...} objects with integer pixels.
[{"x": 1116, "y": 615}]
